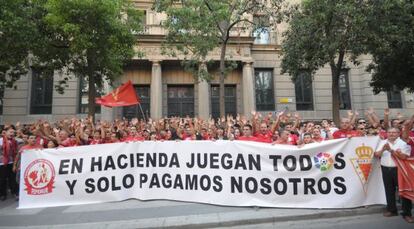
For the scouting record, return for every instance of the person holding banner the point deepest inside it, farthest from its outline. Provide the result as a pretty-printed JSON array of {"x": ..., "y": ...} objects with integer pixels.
[
  {"x": 393, "y": 146},
  {"x": 8, "y": 152},
  {"x": 307, "y": 139},
  {"x": 345, "y": 130},
  {"x": 408, "y": 134},
  {"x": 264, "y": 133},
  {"x": 133, "y": 135},
  {"x": 247, "y": 134},
  {"x": 31, "y": 144},
  {"x": 284, "y": 138}
]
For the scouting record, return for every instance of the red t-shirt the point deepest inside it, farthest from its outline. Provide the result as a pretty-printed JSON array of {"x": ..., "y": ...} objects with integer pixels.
[
  {"x": 320, "y": 139},
  {"x": 411, "y": 134},
  {"x": 293, "y": 139},
  {"x": 411, "y": 142},
  {"x": 41, "y": 141},
  {"x": 68, "y": 143},
  {"x": 111, "y": 141},
  {"x": 267, "y": 137},
  {"x": 133, "y": 139},
  {"x": 251, "y": 138},
  {"x": 383, "y": 134},
  {"x": 28, "y": 147},
  {"x": 345, "y": 134},
  {"x": 206, "y": 137},
  {"x": 187, "y": 137},
  {"x": 96, "y": 142}
]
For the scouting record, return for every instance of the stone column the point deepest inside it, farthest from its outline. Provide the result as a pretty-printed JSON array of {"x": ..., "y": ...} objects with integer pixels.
[
  {"x": 203, "y": 96},
  {"x": 107, "y": 113},
  {"x": 248, "y": 89},
  {"x": 156, "y": 90}
]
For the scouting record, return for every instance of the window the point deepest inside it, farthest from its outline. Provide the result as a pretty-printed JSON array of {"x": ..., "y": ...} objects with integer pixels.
[
  {"x": 143, "y": 23},
  {"x": 230, "y": 101},
  {"x": 83, "y": 95},
  {"x": 178, "y": 22},
  {"x": 42, "y": 93},
  {"x": 303, "y": 90},
  {"x": 261, "y": 36},
  {"x": 134, "y": 111},
  {"x": 344, "y": 95},
  {"x": 261, "y": 32},
  {"x": 144, "y": 18},
  {"x": 394, "y": 98},
  {"x": 265, "y": 100},
  {"x": 181, "y": 100}
]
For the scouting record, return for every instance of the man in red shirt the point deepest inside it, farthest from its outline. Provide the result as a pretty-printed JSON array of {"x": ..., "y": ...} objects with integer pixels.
[
  {"x": 292, "y": 138},
  {"x": 407, "y": 134},
  {"x": 247, "y": 134},
  {"x": 316, "y": 135},
  {"x": 8, "y": 152},
  {"x": 133, "y": 135},
  {"x": 264, "y": 134},
  {"x": 345, "y": 130},
  {"x": 97, "y": 138},
  {"x": 31, "y": 144},
  {"x": 64, "y": 139},
  {"x": 285, "y": 138}
]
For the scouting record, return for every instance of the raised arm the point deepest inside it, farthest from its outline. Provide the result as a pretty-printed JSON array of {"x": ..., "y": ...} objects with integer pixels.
[
  {"x": 354, "y": 117},
  {"x": 296, "y": 124},
  {"x": 387, "y": 118},
  {"x": 408, "y": 125},
  {"x": 276, "y": 122},
  {"x": 372, "y": 118}
]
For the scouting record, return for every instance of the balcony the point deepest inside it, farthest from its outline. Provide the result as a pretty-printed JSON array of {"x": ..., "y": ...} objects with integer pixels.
[{"x": 265, "y": 37}]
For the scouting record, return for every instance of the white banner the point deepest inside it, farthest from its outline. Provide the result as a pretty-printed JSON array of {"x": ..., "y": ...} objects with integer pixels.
[{"x": 333, "y": 174}]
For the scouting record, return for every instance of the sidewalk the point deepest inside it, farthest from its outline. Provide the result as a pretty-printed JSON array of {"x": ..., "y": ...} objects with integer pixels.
[{"x": 159, "y": 214}]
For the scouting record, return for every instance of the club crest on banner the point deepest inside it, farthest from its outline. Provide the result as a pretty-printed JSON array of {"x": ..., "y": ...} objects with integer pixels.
[
  {"x": 363, "y": 164},
  {"x": 39, "y": 177}
]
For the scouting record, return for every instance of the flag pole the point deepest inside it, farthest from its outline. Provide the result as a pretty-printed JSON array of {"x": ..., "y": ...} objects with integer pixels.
[{"x": 142, "y": 112}]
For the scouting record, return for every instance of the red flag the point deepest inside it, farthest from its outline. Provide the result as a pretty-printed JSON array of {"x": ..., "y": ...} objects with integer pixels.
[
  {"x": 405, "y": 177},
  {"x": 122, "y": 96}
]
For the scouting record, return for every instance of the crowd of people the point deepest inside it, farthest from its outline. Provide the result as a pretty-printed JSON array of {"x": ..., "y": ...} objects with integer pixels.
[{"x": 273, "y": 128}]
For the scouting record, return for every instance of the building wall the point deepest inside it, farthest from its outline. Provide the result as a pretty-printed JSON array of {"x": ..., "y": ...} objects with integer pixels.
[
  {"x": 244, "y": 51},
  {"x": 362, "y": 96},
  {"x": 17, "y": 101}
]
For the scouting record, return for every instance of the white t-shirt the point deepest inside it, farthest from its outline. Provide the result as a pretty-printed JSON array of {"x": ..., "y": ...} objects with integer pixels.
[{"x": 386, "y": 159}]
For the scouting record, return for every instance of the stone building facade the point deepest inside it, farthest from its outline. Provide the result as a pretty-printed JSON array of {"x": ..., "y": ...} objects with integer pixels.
[{"x": 166, "y": 89}]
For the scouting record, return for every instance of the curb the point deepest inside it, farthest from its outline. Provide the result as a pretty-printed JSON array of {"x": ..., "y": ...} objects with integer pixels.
[
  {"x": 214, "y": 220},
  {"x": 274, "y": 218}
]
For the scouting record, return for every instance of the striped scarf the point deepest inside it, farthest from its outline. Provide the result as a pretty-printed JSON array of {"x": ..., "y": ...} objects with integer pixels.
[{"x": 9, "y": 147}]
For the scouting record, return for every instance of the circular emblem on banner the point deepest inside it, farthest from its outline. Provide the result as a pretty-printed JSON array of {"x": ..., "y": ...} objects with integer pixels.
[
  {"x": 323, "y": 161},
  {"x": 39, "y": 177}
]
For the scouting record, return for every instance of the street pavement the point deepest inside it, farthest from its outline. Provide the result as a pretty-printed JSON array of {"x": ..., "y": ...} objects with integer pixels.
[
  {"x": 372, "y": 221},
  {"x": 161, "y": 213}
]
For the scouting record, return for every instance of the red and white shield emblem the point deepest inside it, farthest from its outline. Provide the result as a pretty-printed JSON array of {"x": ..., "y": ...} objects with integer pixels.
[{"x": 39, "y": 177}]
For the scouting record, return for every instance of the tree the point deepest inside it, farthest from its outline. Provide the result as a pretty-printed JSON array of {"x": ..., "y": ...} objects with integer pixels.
[
  {"x": 16, "y": 38},
  {"x": 89, "y": 38},
  {"x": 197, "y": 27},
  {"x": 325, "y": 32},
  {"x": 392, "y": 46}
]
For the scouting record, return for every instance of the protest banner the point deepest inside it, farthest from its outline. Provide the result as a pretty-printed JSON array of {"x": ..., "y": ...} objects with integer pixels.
[{"x": 333, "y": 174}]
